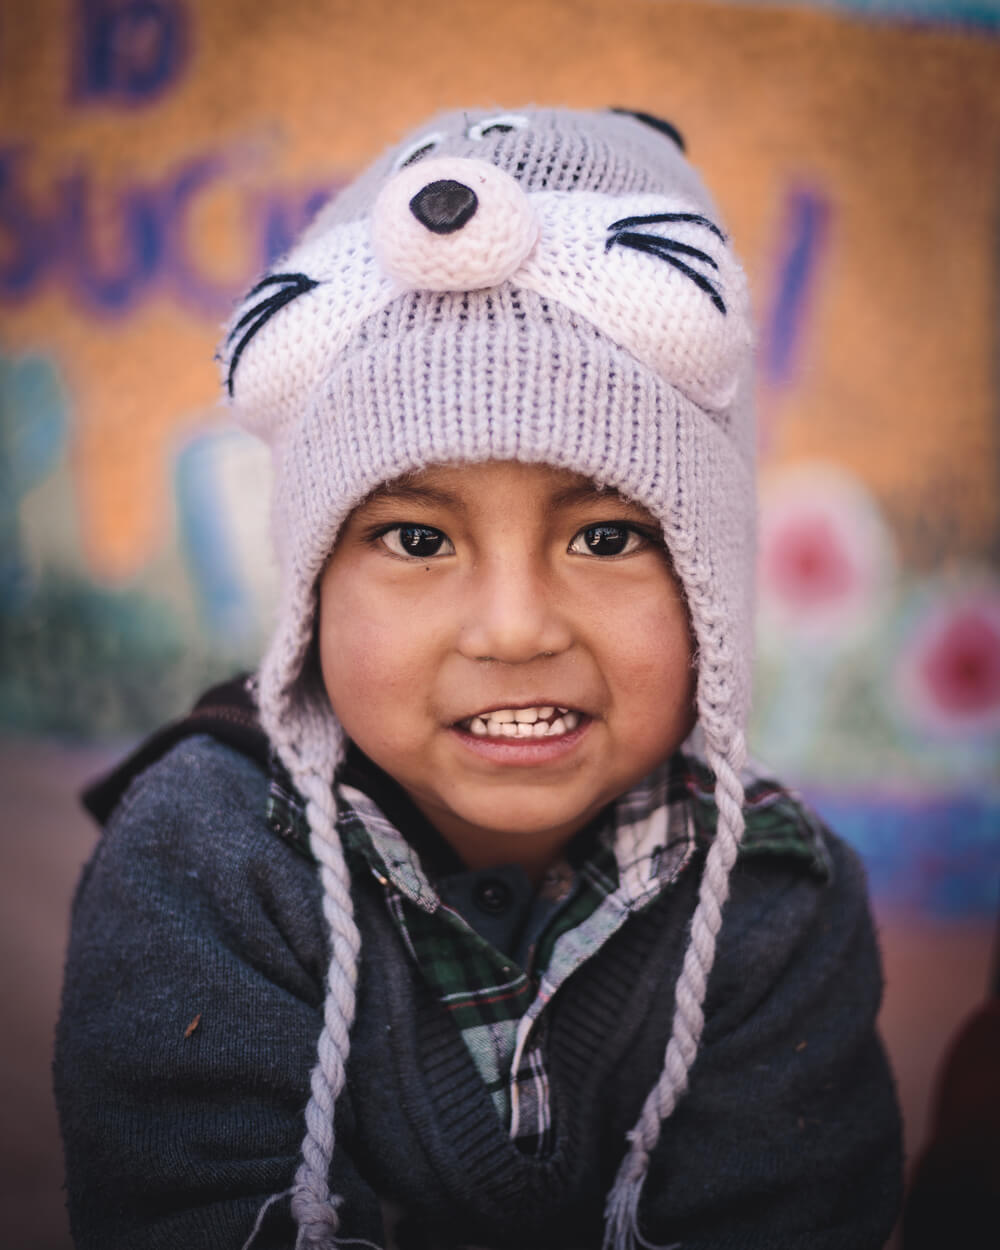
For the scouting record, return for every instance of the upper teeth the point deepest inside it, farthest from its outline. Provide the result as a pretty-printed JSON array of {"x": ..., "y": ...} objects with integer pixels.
[{"x": 524, "y": 722}]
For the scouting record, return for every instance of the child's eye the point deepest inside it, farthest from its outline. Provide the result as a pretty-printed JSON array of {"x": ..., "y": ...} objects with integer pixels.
[
  {"x": 417, "y": 541},
  {"x": 606, "y": 539}
]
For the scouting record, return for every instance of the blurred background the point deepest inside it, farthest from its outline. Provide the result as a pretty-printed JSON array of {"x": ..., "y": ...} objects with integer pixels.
[{"x": 155, "y": 155}]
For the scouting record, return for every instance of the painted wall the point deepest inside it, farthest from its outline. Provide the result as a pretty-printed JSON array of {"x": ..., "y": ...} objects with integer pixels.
[{"x": 155, "y": 154}]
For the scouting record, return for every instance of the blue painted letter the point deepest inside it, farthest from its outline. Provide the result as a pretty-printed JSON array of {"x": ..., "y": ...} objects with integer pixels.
[{"x": 128, "y": 50}]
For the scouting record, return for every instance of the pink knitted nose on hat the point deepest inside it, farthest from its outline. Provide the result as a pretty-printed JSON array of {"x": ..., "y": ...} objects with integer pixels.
[
  {"x": 548, "y": 286},
  {"x": 452, "y": 225}
]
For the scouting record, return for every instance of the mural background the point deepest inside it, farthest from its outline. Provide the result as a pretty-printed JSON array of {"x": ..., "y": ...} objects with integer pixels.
[{"x": 156, "y": 154}]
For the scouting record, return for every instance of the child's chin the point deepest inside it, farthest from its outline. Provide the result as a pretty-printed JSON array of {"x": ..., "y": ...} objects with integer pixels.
[{"x": 511, "y": 813}]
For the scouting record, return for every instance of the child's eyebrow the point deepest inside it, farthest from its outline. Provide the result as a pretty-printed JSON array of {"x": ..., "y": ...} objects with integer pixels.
[
  {"x": 409, "y": 492},
  {"x": 590, "y": 493}
]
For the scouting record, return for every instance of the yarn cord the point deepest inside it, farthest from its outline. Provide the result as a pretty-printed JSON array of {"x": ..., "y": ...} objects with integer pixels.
[
  {"x": 621, "y": 1231},
  {"x": 314, "y": 1208}
]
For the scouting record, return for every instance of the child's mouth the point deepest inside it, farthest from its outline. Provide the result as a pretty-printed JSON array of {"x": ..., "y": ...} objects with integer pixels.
[{"x": 522, "y": 723}]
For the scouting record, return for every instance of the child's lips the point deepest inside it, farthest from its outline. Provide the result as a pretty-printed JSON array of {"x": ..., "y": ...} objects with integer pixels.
[{"x": 502, "y": 740}]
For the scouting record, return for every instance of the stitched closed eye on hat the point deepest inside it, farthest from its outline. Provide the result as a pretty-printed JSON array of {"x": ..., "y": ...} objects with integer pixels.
[{"x": 547, "y": 286}]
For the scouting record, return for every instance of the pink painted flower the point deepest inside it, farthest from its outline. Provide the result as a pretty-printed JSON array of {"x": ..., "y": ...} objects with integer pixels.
[
  {"x": 825, "y": 555},
  {"x": 807, "y": 563},
  {"x": 949, "y": 672}
]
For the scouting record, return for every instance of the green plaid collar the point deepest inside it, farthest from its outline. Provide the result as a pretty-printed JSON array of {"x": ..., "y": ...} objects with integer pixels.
[
  {"x": 777, "y": 821},
  {"x": 646, "y": 840}
]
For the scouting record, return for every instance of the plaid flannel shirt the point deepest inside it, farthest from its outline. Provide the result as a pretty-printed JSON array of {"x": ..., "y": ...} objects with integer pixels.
[{"x": 647, "y": 839}]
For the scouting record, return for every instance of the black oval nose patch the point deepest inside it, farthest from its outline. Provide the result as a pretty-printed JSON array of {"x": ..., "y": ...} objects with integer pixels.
[{"x": 444, "y": 206}]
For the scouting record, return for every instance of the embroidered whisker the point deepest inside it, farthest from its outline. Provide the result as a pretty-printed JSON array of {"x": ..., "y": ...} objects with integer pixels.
[
  {"x": 292, "y": 286},
  {"x": 272, "y": 279},
  {"x": 654, "y": 219},
  {"x": 664, "y": 249},
  {"x": 657, "y": 244},
  {"x": 296, "y": 282}
]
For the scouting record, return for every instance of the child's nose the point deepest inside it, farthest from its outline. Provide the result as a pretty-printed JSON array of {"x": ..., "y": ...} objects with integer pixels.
[{"x": 513, "y": 614}]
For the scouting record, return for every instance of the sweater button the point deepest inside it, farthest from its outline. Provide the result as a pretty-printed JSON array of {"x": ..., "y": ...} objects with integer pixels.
[{"x": 493, "y": 896}]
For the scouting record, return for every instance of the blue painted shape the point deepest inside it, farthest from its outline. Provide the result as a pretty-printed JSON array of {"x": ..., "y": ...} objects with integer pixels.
[
  {"x": 114, "y": 289},
  {"x": 284, "y": 218},
  {"x": 192, "y": 178},
  {"x": 148, "y": 249},
  {"x": 804, "y": 233},
  {"x": 32, "y": 424},
  {"x": 938, "y": 854},
  {"x": 29, "y": 249},
  {"x": 225, "y": 606},
  {"x": 983, "y": 14},
  {"x": 128, "y": 51},
  {"x": 32, "y": 440}
]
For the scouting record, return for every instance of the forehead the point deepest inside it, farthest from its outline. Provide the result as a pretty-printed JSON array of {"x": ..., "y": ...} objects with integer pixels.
[{"x": 466, "y": 486}]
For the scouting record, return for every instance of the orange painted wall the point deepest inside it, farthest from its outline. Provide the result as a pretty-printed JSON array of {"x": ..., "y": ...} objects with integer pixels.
[{"x": 154, "y": 155}]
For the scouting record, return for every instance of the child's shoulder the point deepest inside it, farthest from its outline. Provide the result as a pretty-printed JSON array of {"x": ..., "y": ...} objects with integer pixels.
[
  {"x": 195, "y": 792},
  {"x": 187, "y": 853},
  {"x": 224, "y": 717},
  {"x": 798, "y": 914},
  {"x": 198, "y": 780}
]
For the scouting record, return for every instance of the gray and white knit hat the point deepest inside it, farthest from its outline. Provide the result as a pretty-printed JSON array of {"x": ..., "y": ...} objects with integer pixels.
[{"x": 547, "y": 286}]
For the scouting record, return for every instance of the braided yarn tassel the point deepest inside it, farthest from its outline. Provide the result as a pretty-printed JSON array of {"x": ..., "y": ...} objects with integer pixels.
[
  {"x": 621, "y": 1214},
  {"x": 313, "y": 1206}
]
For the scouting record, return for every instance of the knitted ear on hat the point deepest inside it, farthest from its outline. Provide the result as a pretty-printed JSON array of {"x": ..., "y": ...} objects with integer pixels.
[{"x": 548, "y": 286}]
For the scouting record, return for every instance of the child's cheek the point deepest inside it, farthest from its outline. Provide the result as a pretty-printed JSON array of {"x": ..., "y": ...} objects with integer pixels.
[
  {"x": 655, "y": 666},
  {"x": 370, "y": 660}
]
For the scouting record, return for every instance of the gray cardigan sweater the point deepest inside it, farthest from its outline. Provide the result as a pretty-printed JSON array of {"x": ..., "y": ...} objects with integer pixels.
[{"x": 192, "y": 1005}]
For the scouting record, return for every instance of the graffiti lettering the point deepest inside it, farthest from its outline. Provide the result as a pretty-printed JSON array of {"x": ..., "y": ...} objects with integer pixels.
[
  {"x": 114, "y": 251},
  {"x": 24, "y": 232},
  {"x": 282, "y": 220},
  {"x": 177, "y": 200},
  {"x": 128, "y": 51},
  {"x": 140, "y": 247}
]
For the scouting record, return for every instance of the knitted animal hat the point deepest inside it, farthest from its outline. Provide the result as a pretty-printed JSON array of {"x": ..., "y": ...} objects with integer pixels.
[{"x": 546, "y": 286}]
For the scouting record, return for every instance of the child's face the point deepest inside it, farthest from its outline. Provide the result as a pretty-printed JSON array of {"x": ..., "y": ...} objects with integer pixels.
[{"x": 462, "y": 594}]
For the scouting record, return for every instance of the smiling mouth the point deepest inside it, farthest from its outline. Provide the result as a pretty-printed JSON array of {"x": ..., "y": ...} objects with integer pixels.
[{"x": 523, "y": 722}]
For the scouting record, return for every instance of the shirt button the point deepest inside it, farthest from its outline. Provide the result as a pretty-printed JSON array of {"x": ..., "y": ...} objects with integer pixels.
[
  {"x": 493, "y": 896},
  {"x": 557, "y": 883}
]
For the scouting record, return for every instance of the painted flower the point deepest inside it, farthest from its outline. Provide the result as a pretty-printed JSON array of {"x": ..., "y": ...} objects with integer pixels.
[
  {"x": 222, "y": 483},
  {"x": 826, "y": 558},
  {"x": 949, "y": 671}
]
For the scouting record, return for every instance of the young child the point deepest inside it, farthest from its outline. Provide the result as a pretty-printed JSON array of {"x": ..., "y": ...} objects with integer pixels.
[{"x": 550, "y": 969}]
